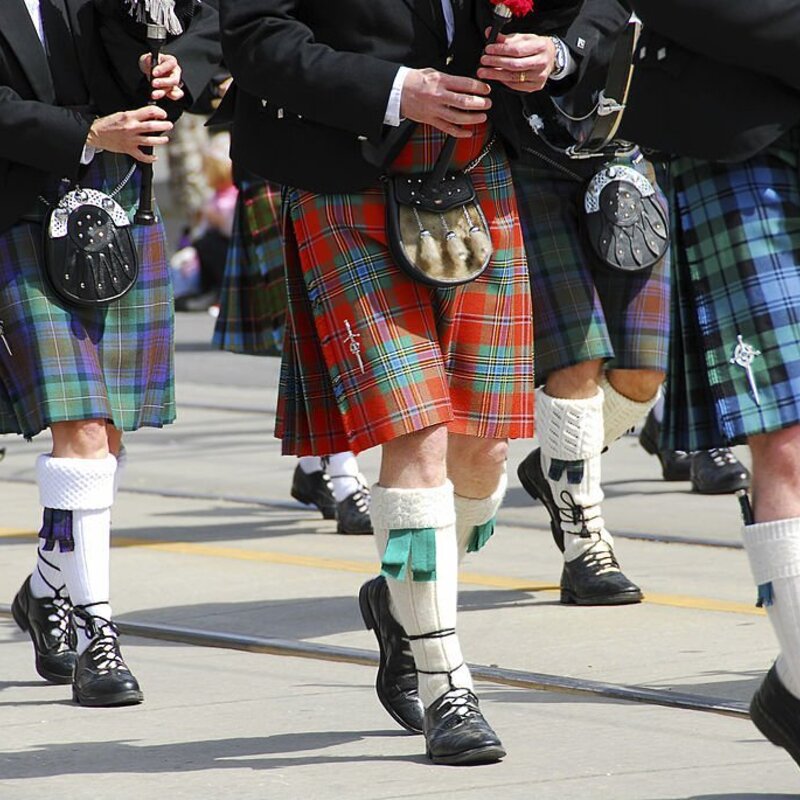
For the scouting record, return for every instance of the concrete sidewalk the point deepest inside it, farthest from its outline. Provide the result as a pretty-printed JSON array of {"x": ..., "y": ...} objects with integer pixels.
[{"x": 207, "y": 538}]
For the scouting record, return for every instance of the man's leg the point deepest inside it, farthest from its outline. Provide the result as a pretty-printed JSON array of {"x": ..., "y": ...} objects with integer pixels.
[
  {"x": 413, "y": 513},
  {"x": 76, "y": 485},
  {"x": 581, "y": 411},
  {"x": 773, "y": 546}
]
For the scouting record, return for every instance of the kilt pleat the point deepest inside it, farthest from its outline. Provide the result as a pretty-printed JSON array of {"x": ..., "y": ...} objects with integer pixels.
[
  {"x": 113, "y": 363},
  {"x": 584, "y": 311},
  {"x": 370, "y": 354},
  {"x": 738, "y": 275},
  {"x": 253, "y": 293}
]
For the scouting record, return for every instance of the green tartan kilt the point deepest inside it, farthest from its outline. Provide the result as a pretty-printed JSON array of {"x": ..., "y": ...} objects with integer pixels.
[
  {"x": 59, "y": 363},
  {"x": 253, "y": 296}
]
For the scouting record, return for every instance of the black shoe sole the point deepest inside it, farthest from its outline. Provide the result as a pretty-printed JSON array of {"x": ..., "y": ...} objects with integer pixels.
[
  {"x": 341, "y": 530},
  {"x": 306, "y": 500},
  {"x": 545, "y": 499},
  {"x": 771, "y": 729},
  {"x": 569, "y": 598},
  {"x": 127, "y": 698},
  {"x": 57, "y": 678},
  {"x": 729, "y": 489},
  {"x": 478, "y": 755},
  {"x": 372, "y": 625}
]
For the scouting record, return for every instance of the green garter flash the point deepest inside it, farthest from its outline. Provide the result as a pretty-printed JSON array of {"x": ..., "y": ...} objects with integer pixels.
[
  {"x": 416, "y": 546},
  {"x": 480, "y": 536}
]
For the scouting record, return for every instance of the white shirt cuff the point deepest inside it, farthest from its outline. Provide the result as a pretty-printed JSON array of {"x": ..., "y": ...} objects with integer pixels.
[
  {"x": 570, "y": 66},
  {"x": 88, "y": 154},
  {"x": 392, "y": 116}
]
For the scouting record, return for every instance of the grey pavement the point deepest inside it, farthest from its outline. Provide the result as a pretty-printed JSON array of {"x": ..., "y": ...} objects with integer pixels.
[{"x": 206, "y": 537}]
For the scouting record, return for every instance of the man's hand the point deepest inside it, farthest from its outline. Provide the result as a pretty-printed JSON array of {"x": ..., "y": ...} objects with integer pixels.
[
  {"x": 129, "y": 131},
  {"x": 166, "y": 76},
  {"x": 521, "y": 61},
  {"x": 447, "y": 102}
]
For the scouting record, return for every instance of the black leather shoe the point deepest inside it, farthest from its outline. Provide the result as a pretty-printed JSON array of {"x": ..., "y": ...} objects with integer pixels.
[
  {"x": 457, "y": 733},
  {"x": 352, "y": 514},
  {"x": 48, "y": 621},
  {"x": 102, "y": 677},
  {"x": 776, "y": 713},
  {"x": 595, "y": 579},
  {"x": 314, "y": 489},
  {"x": 675, "y": 464},
  {"x": 718, "y": 471},
  {"x": 396, "y": 684},
  {"x": 535, "y": 483}
]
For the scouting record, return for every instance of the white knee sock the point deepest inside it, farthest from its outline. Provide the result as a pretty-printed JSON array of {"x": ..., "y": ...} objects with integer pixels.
[
  {"x": 343, "y": 471},
  {"x": 620, "y": 413},
  {"x": 415, "y": 528},
  {"x": 571, "y": 433},
  {"x": 310, "y": 464},
  {"x": 84, "y": 487},
  {"x": 122, "y": 465},
  {"x": 774, "y": 552},
  {"x": 475, "y": 518}
]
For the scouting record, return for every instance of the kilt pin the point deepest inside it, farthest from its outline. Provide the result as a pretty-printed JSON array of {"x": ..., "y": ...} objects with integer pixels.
[{"x": 370, "y": 354}]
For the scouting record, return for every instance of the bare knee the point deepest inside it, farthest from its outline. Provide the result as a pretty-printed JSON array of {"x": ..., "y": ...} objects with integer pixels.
[
  {"x": 639, "y": 385},
  {"x": 80, "y": 439},
  {"x": 475, "y": 465},
  {"x": 578, "y": 382},
  {"x": 415, "y": 461}
]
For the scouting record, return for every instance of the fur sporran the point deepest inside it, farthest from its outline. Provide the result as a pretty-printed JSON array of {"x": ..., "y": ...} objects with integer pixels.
[
  {"x": 439, "y": 241},
  {"x": 90, "y": 258},
  {"x": 436, "y": 229}
]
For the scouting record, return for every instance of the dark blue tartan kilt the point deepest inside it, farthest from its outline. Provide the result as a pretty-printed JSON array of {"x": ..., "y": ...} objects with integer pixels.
[
  {"x": 582, "y": 310},
  {"x": 737, "y": 299},
  {"x": 61, "y": 363},
  {"x": 253, "y": 296}
]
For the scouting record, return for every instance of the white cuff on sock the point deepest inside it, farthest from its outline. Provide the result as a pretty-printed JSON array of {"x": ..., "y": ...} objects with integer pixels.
[
  {"x": 76, "y": 484},
  {"x": 397, "y": 509},
  {"x": 620, "y": 413},
  {"x": 569, "y": 430},
  {"x": 773, "y": 549}
]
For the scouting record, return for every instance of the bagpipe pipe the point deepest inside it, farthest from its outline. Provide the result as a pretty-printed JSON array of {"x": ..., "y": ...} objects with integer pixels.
[{"x": 154, "y": 23}]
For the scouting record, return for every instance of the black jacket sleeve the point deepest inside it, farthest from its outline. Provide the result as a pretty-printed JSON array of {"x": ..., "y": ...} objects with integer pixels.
[{"x": 273, "y": 55}]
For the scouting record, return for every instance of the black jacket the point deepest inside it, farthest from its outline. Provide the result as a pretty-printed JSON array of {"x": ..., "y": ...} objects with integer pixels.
[
  {"x": 715, "y": 79},
  {"x": 312, "y": 79},
  {"x": 39, "y": 139}
]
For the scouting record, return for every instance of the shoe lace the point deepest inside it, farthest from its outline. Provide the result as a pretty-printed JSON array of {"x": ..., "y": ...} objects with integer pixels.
[
  {"x": 360, "y": 498},
  {"x": 601, "y": 556},
  {"x": 103, "y": 646},
  {"x": 461, "y": 703},
  {"x": 722, "y": 456},
  {"x": 61, "y": 617}
]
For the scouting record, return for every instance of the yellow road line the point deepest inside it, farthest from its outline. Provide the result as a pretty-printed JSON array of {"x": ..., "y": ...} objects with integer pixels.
[{"x": 368, "y": 568}]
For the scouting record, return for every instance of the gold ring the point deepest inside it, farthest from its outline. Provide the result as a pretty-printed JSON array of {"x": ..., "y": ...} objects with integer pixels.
[{"x": 522, "y": 77}]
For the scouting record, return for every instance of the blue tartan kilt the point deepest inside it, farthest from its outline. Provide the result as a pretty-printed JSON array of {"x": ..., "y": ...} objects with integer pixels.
[{"x": 735, "y": 350}]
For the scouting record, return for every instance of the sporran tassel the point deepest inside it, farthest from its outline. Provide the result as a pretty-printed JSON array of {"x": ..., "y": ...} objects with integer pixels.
[{"x": 429, "y": 254}]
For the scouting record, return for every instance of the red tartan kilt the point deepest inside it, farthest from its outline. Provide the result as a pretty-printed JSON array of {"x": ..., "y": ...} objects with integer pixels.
[{"x": 370, "y": 354}]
